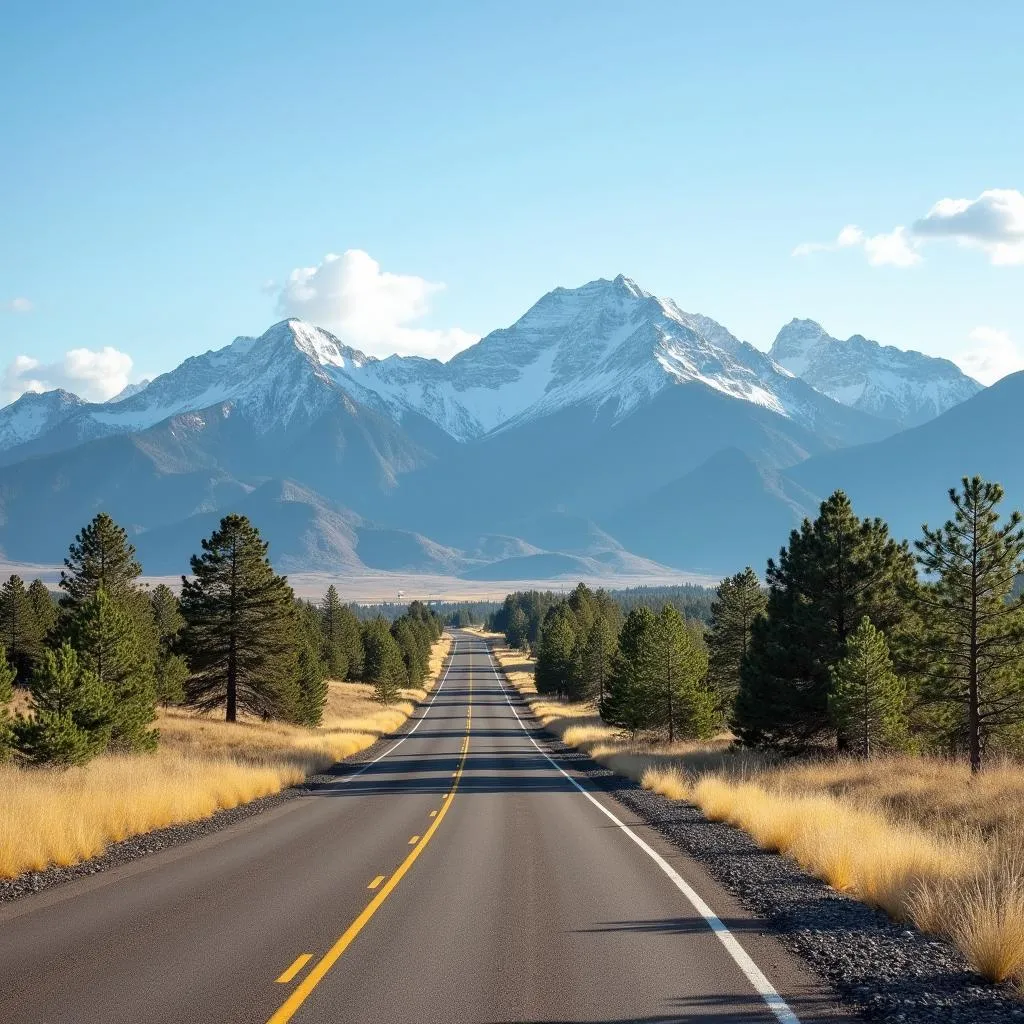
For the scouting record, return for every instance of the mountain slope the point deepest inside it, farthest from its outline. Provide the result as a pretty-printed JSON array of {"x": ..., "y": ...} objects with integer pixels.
[
  {"x": 906, "y": 387},
  {"x": 727, "y": 513},
  {"x": 905, "y": 478}
]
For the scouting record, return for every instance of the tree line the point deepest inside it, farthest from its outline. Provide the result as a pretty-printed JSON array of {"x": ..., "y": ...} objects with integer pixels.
[
  {"x": 854, "y": 642},
  {"x": 97, "y": 660}
]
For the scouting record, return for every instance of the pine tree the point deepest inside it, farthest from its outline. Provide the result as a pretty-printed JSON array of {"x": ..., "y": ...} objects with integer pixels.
[
  {"x": 557, "y": 652},
  {"x": 680, "y": 700},
  {"x": 170, "y": 668},
  {"x": 72, "y": 712},
  {"x": 973, "y": 644},
  {"x": 517, "y": 629},
  {"x": 383, "y": 666},
  {"x": 335, "y": 655},
  {"x": 836, "y": 570},
  {"x": 106, "y": 640},
  {"x": 599, "y": 649},
  {"x": 313, "y": 688},
  {"x": 633, "y": 680},
  {"x": 739, "y": 601},
  {"x": 100, "y": 558},
  {"x": 20, "y": 631},
  {"x": 44, "y": 609},
  {"x": 239, "y": 635},
  {"x": 412, "y": 650},
  {"x": 7, "y": 675},
  {"x": 868, "y": 701}
]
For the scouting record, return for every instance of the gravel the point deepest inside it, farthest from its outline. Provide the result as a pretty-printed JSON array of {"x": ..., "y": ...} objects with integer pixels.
[{"x": 885, "y": 970}]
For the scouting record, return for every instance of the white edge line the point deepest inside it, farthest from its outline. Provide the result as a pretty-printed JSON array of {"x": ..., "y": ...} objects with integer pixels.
[
  {"x": 753, "y": 973},
  {"x": 426, "y": 709}
]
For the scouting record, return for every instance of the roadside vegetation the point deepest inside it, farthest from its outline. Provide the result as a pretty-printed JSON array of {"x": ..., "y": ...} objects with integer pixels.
[
  {"x": 863, "y": 712},
  {"x": 123, "y": 710}
]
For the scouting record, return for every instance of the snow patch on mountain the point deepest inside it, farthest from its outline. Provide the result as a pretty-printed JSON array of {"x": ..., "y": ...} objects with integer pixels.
[{"x": 34, "y": 414}]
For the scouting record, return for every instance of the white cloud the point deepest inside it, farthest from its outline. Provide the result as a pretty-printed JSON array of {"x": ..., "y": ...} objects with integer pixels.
[
  {"x": 992, "y": 355},
  {"x": 993, "y": 222},
  {"x": 895, "y": 249},
  {"x": 19, "y": 305},
  {"x": 371, "y": 309},
  {"x": 94, "y": 375}
]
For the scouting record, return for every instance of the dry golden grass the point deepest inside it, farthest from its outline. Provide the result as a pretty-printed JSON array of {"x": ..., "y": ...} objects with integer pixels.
[
  {"x": 918, "y": 837},
  {"x": 203, "y": 765}
]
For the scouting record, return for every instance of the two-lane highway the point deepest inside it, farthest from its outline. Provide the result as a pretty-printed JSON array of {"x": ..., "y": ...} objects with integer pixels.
[{"x": 462, "y": 876}]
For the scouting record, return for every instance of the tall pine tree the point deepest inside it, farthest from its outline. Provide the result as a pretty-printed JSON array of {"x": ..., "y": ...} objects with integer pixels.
[
  {"x": 628, "y": 702},
  {"x": 739, "y": 602},
  {"x": 868, "y": 701},
  {"x": 313, "y": 688},
  {"x": 44, "y": 609},
  {"x": 383, "y": 665},
  {"x": 973, "y": 643},
  {"x": 239, "y": 635},
  {"x": 6, "y": 693},
  {"x": 835, "y": 571}
]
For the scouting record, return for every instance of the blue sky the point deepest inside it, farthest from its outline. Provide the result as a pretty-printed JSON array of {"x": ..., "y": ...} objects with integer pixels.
[{"x": 167, "y": 167}]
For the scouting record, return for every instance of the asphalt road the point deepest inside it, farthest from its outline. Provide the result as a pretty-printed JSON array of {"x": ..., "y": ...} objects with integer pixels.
[{"x": 461, "y": 877}]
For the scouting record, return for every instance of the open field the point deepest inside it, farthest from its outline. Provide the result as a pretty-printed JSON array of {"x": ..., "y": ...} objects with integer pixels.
[
  {"x": 202, "y": 765},
  {"x": 917, "y": 837},
  {"x": 373, "y": 588}
]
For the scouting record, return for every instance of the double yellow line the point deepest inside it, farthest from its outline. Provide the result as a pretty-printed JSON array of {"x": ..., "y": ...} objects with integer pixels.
[{"x": 331, "y": 957}]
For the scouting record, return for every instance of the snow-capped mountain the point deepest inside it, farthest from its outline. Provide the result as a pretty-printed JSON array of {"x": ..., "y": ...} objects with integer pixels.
[
  {"x": 607, "y": 345},
  {"x": 906, "y": 387},
  {"x": 34, "y": 414}
]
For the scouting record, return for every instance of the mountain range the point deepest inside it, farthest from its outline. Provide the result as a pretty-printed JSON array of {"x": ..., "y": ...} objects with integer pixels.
[{"x": 606, "y": 431}]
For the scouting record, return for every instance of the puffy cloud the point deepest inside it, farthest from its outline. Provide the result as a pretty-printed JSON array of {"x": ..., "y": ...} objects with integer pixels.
[
  {"x": 371, "y": 309},
  {"x": 94, "y": 375},
  {"x": 895, "y": 249},
  {"x": 993, "y": 222},
  {"x": 19, "y": 305},
  {"x": 992, "y": 355}
]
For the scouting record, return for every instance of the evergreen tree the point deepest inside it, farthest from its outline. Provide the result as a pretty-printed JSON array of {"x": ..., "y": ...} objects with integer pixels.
[
  {"x": 72, "y": 712},
  {"x": 973, "y": 644},
  {"x": 836, "y": 570},
  {"x": 44, "y": 609},
  {"x": 239, "y": 635},
  {"x": 599, "y": 649},
  {"x": 334, "y": 648},
  {"x": 170, "y": 668},
  {"x": 634, "y": 673},
  {"x": 739, "y": 601},
  {"x": 412, "y": 651},
  {"x": 313, "y": 688},
  {"x": 7, "y": 675},
  {"x": 680, "y": 700},
  {"x": 555, "y": 670},
  {"x": 100, "y": 559},
  {"x": 517, "y": 630},
  {"x": 383, "y": 665},
  {"x": 20, "y": 631},
  {"x": 868, "y": 701},
  {"x": 104, "y": 636}
]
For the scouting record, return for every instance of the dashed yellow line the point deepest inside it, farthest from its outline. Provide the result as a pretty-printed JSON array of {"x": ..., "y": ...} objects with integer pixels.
[
  {"x": 376, "y": 882},
  {"x": 290, "y": 1006},
  {"x": 414, "y": 840},
  {"x": 300, "y": 961}
]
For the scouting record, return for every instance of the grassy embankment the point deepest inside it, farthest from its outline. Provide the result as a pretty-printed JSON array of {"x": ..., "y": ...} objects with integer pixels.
[
  {"x": 202, "y": 765},
  {"x": 916, "y": 837}
]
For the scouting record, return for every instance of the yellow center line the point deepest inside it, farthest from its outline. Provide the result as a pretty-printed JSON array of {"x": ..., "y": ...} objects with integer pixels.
[
  {"x": 433, "y": 814},
  {"x": 300, "y": 961},
  {"x": 301, "y": 993},
  {"x": 376, "y": 882}
]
